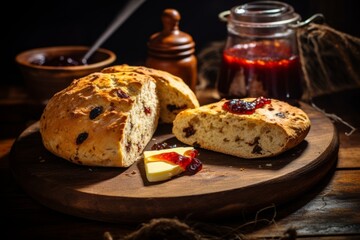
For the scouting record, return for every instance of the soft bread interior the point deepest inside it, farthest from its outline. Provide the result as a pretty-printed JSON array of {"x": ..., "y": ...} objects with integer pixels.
[
  {"x": 248, "y": 139},
  {"x": 270, "y": 130},
  {"x": 140, "y": 125}
]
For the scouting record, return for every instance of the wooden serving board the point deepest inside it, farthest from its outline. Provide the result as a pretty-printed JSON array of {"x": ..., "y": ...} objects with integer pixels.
[{"x": 224, "y": 187}]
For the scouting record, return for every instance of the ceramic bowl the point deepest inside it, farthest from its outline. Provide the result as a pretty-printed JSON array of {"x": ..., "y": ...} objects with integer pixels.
[{"x": 48, "y": 70}]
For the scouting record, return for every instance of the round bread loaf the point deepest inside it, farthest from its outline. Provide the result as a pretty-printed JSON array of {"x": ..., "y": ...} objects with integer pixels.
[
  {"x": 269, "y": 131},
  {"x": 103, "y": 119},
  {"x": 174, "y": 94}
]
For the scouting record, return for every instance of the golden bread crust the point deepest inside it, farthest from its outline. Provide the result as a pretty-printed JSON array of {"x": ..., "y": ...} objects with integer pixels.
[
  {"x": 174, "y": 94},
  {"x": 96, "y": 121}
]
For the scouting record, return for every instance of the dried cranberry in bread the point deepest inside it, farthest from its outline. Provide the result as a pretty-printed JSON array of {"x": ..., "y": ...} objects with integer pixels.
[
  {"x": 272, "y": 129},
  {"x": 174, "y": 94},
  {"x": 103, "y": 119}
]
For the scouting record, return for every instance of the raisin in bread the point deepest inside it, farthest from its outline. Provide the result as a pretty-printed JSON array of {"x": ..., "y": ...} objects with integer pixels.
[
  {"x": 174, "y": 94},
  {"x": 103, "y": 119},
  {"x": 269, "y": 131}
]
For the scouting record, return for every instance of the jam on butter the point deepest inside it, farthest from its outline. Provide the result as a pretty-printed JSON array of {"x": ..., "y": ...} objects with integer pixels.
[{"x": 188, "y": 162}]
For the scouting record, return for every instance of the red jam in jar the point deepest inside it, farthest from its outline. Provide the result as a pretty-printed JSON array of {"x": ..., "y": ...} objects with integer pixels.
[
  {"x": 260, "y": 57},
  {"x": 260, "y": 68}
]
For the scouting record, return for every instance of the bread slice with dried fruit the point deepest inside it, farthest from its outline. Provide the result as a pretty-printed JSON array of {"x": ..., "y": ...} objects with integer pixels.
[
  {"x": 271, "y": 129},
  {"x": 173, "y": 93},
  {"x": 103, "y": 119}
]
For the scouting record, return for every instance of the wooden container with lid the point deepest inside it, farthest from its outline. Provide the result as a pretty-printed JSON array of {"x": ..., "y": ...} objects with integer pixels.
[{"x": 172, "y": 50}]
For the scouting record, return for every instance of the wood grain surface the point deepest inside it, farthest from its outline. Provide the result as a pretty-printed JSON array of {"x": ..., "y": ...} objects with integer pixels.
[{"x": 225, "y": 187}]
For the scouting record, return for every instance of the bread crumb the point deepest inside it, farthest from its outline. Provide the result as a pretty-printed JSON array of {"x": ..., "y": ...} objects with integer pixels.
[{"x": 132, "y": 173}]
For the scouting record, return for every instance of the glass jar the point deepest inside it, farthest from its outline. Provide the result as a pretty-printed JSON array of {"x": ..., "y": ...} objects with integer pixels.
[{"x": 260, "y": 57}]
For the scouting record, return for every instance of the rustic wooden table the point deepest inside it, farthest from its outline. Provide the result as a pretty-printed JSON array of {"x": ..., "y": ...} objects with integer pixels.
[{"x": 330, "y": 210}]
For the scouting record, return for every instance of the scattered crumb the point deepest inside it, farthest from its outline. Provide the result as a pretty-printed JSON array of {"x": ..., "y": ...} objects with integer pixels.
[
  {"x": 133, "y": 172},
  {"x": 90, "y": 169},
  {"x": 269, "y": 164},
  {"x": 42, "y": 160}
]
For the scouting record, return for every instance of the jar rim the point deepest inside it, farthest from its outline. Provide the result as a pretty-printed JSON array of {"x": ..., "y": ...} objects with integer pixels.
[{"x": 263, "y": 14}]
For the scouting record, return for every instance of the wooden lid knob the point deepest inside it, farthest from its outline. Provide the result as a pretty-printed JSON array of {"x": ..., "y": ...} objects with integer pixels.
[
  {"x": 170, "y": 19},
  {"x": 171, "y": 39}
]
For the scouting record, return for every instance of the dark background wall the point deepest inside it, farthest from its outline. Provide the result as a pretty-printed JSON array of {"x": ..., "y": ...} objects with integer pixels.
[{"x": 33, "y": 24}]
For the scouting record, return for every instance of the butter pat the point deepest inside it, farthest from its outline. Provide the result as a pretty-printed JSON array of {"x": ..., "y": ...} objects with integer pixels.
[{"x": 159, "y": 170}]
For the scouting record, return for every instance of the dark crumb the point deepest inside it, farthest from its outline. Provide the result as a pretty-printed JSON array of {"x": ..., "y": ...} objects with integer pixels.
[
  {"x": 163, "y": 145},
  {"x": 132, "y": 173}
]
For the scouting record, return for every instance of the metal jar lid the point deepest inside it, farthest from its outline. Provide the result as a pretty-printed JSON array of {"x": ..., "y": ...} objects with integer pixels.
[
  {"x": 261, "y": 14},
  {"x": 264, "y": 14},
  {"x": 261, "y": 19}
]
